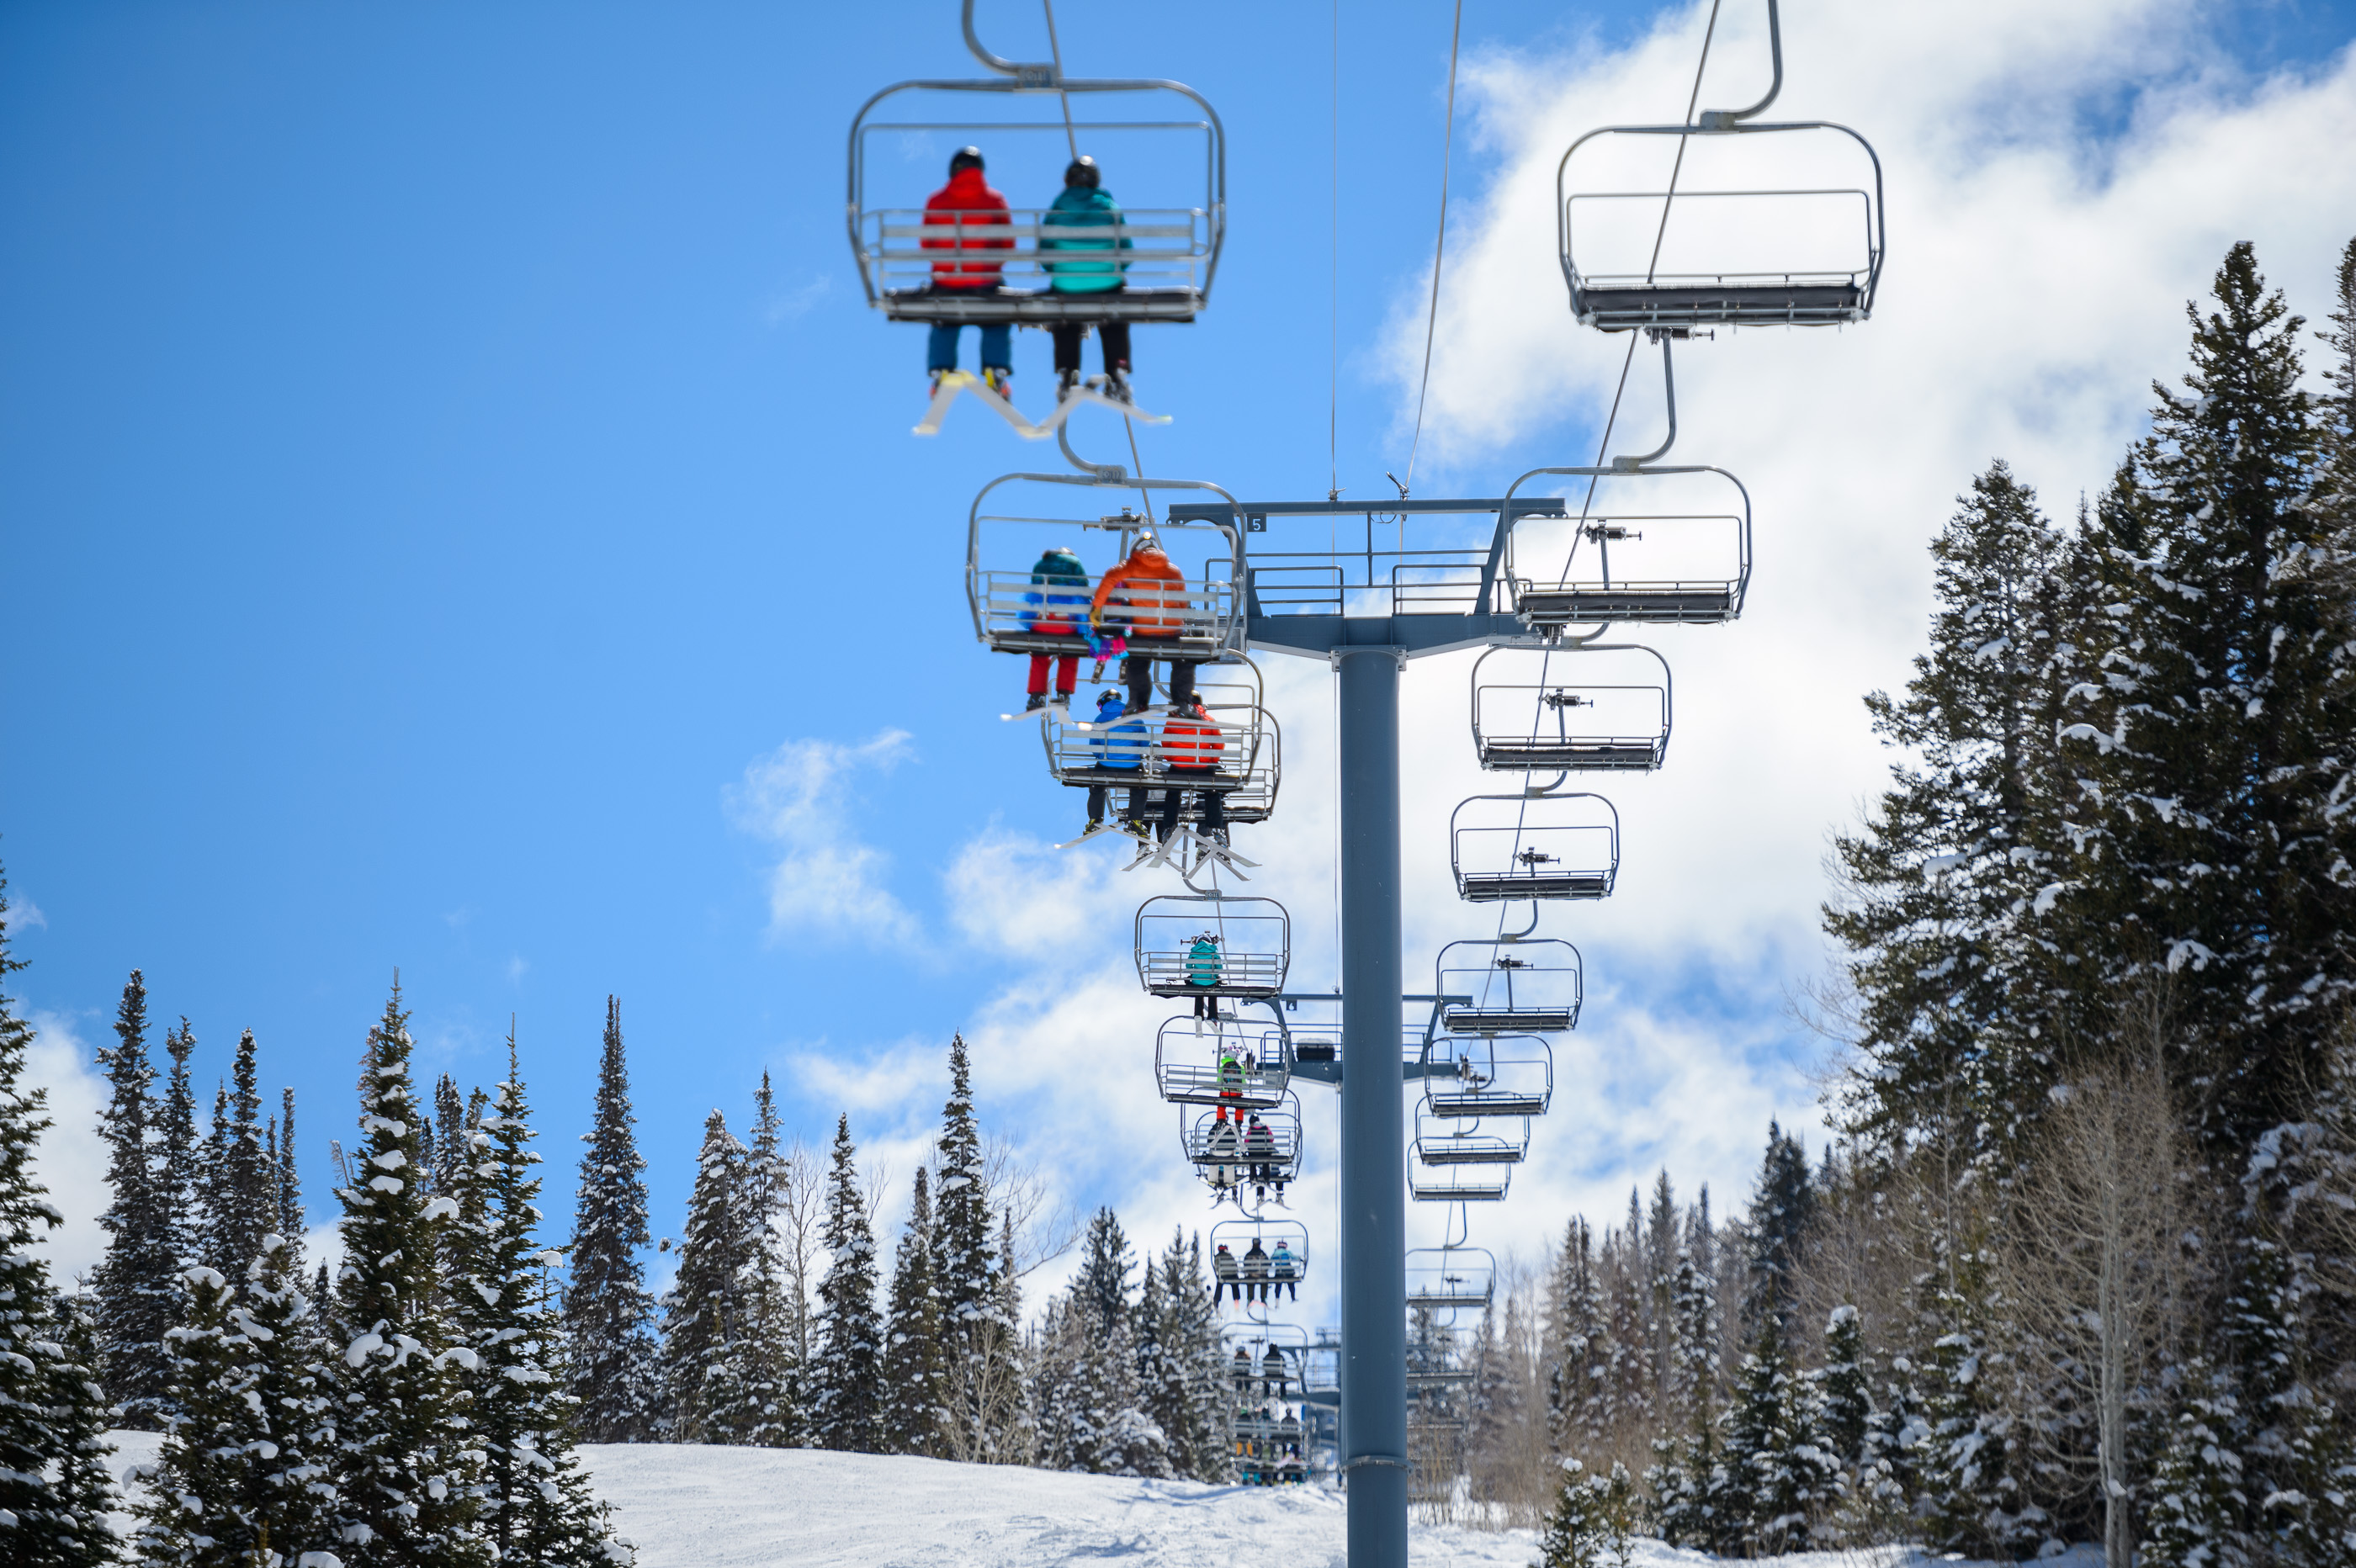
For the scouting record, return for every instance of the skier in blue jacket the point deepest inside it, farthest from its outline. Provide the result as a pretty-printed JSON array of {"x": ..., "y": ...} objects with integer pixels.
[
  {"x": 1121, "y": 747},
  {"x": 1086, "y": 204}
]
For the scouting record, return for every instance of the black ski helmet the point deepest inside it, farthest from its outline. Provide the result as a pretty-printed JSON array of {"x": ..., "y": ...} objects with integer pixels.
[
  {"x": 965, "y": 158},
  {"x": 1083, "y": 170}
]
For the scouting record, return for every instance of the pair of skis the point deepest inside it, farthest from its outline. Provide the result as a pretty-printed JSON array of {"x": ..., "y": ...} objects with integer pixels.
[{"x": 952, "y": 383}]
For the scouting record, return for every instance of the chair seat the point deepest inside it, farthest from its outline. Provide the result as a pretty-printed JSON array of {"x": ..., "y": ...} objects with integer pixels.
[
  {"x": 1475, "y": 1103},
  {"x": 1157, "y": 782},
  {"x": 1509, "y": 1020},
  {"x": 1672, "y": 605},
  {"x": 1041, "y": 306},
  {"x": 1586, "y": 756},
  {"x": 1454, "y": 1151},
  {"x": 1198, "y": 649},
  {"x": 1721, "y": 304},
  {"x": 1485, "y": 888}
]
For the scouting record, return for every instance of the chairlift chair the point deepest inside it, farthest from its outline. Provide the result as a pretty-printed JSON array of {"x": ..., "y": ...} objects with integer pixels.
[
  {"x": 1205, "y": 1148},
  {"x": 1651, "y": 544},
  {"x": 1222, "y": 1061},
  {"x": 1239, "y": 1236},
  {"x": 1173, "y": 155},
  {"x": 1518, "y": 986},
  {"x": 1019, "y": 609},
  {"x": 1248, "y": 949},
  {"x": 1488, "y": 1076},
  {"x": 1542, "y": 710},
  {"x": 1136, "y": 750},
  {"x": 1453, "y": 1140},
  {"x": 1736, "y": 223},
  {"x": 1459, "y": 1183},
  {"x": 1534, "y": 846},
  {"x": 1443, "y": 1277}
]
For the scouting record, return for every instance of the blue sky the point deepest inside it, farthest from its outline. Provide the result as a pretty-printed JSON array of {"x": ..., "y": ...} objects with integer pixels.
[{"x": 442, "y": 450}]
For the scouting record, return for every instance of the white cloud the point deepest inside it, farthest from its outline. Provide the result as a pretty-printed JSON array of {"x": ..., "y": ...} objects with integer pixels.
[
  {"x": 794, "y": 301},
  {"x": 24, "y": 914},
  {"x": 826, "y": 880},
  {"x": 69, "y": 1159}
]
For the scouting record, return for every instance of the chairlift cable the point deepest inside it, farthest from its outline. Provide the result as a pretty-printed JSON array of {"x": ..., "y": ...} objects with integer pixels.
[
  {"x": 1438, "y": 252},
  {"x": 1587, "y": 505},
  {"x": 1056, "y": 52},
  {"x": 1667, "y": 197}
]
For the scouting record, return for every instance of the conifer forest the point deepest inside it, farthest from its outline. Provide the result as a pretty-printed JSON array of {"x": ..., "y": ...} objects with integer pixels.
[{"x": 2078, "y": 1266}]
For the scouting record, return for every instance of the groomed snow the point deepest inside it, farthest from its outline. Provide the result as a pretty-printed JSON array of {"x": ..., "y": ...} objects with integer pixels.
[{"x": 690, "y": 1507}]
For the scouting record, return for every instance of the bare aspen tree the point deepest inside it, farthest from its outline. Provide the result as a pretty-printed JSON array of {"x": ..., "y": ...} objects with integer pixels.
[{"x": 2093, "y": 1256}]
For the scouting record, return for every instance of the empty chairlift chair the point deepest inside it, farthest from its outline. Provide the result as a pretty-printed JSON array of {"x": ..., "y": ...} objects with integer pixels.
[
  {"x": 1453, "y": 1140},
  {"x": 1213, "y": 945},
  {"x": 1222, "y": 1061},
  {"x": 1459, "y": 1183},
  {"x": 1727, "y": 221},
  {"x": 1488, "y": 1076},
  {"x": 1442, "y": 1278},
  {"x": 1557, "y": 709},
  {"x": 1517, "y": 985},
  {"x": 1163, "y": 156},
  {"x": 1537, "y": 846},
  {"x": 1652, "y": 546}
]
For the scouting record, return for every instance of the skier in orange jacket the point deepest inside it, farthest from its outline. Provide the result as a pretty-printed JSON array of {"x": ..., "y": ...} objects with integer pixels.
[{"x": 1144, "y": 597}]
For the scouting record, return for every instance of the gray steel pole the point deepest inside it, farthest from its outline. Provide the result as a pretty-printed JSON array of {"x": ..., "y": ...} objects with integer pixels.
[{"x": 1374, "y": 1151}]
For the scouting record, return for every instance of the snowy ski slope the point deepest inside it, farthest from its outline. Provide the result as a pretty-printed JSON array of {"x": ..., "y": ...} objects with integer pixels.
[{"x": 691, "y": 1506}]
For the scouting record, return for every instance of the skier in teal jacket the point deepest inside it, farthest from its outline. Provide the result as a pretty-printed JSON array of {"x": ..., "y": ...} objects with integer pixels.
[{"x": 1086, "y": 204}]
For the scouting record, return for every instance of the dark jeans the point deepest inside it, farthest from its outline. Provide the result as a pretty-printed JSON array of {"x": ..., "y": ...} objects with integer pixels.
[
  {"x": 1132, "y": 809},
  {"x": 1214, "y": 806},
  {"x": 1113, "y": 334},
  {"x": 1137, "y": 673},
  {"x": 997, "y": 345}
]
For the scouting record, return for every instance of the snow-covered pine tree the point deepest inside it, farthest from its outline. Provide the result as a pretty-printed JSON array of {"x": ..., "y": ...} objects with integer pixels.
[
  {"x": 1579, "y": 1383},
  {"x": 136, "y": 1299},
  {"x": 1014, "y": 1432},
  {"x": 2198, "y": 1499},
  {"x": 51, "y": 1405},
  {"x": 1592, "y": 1521},
  {"x": 2213, "y": 711},
  {"x": 843, "y": 1382},
  {"x": 1778, "y": 1475},
  {"x": 79, "y": 1416},
  {"x": 703, "y": 1312},
  {"x": 179, "y": 1159},
  {"x": 979, "y": 1344},
  {"x": 1845, "y": 1387},
  {"x": 608, "y": 1314},
  {"x": 1782, "y": 1208},
  {"x": 1055, "y": 1357},
  {"x": 405, "y": 1471},
  {"x": 770, "y": 1370},
  {"x": 1952, "y": 859},
  {"x": 1179, "y": 1366},
  {"x": 243, "y": 1476},
  {"x": 911, "y": 1416},
  {"x": 450, "y": 1145},
  {"x": 537, "y": 1505},
  {"x": 1970, "y": 1496},
  {"x": 1126, "y": 1440},
  {"x": 287, "y": 1187},
  {"x": 241, "y": 1189}
]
